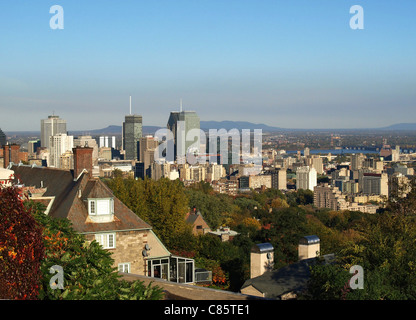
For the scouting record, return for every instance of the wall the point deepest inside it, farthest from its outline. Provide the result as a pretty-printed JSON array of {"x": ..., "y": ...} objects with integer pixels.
[{"x": 129, "y": 246}]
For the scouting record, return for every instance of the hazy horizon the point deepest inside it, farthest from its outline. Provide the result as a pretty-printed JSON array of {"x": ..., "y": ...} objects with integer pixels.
[{"x": 294, "y": 64}]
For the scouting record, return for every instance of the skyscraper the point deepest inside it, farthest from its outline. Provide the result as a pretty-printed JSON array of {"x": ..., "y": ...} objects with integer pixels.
[
  {"x": 306, "y": 178},
  {"x": 2, "y": 138},
  {"x": 50, "y": 127},
  {"x": 180, "y": 123},
  {"x": 132, "y": 132},
  {"x": 59, "y": 144}
]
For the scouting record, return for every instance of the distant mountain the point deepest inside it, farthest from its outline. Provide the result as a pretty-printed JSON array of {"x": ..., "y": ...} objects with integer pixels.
[
  {"x": 401, "y": 126},
  {"x": 227, "y": 125},
  {"x": 205, "y": 125},
  {"x": 108, "y": 130},
  {"x": 113, "y": 130}
]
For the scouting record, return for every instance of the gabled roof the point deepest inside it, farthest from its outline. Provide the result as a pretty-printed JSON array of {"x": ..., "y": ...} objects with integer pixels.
[
  {"x": 193, "y": 217},
  {"x": 71, "y": 198},
  {"x": 291, "y": 278},
  {"x": 274, "y": 284}
]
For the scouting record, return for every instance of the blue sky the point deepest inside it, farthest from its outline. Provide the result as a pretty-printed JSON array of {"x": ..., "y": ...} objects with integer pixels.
[{"x": 292, "y": 64}]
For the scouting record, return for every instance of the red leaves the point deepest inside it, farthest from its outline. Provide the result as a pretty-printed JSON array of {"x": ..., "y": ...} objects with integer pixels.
[{"x": 21, "y": 248}]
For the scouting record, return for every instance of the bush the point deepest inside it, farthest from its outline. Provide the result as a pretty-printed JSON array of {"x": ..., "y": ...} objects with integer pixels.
[{"x": 21, "y": 248}]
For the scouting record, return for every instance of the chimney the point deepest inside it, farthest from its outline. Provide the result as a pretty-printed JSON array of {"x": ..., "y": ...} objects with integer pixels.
[
  {"x": 6, "y": 155},
  {"x": 82, "y": 160},
  {"x": 309, "y": 247},
  {"x": 14, "y": 153},
  {"x": 261, "y": 259}
]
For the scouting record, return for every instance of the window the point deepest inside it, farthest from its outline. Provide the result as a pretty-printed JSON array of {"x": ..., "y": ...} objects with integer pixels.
[
  {"x": 124, "y": 267},
  {"x": 158, "y": 268},
  {"x": 92, "y": 207},
  {"x": 101, "y": 206},
  {"x": 107, "y": 240}
]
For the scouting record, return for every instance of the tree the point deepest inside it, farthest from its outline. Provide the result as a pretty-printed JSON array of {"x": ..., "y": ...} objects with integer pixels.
[
  {"x": 21, "y": 248},
  {"x": 327, "y": 282},
  {"x": 162, "y": 203},
  {"x": 402, "y": 200},
  {"x": 287, "y": 226},
  {"x": 386, "y": 251},
  {"x": 215, "y": 208}
]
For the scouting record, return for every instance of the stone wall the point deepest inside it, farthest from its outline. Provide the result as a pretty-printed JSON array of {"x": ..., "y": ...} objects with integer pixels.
[{"x": 129, "y": 247}]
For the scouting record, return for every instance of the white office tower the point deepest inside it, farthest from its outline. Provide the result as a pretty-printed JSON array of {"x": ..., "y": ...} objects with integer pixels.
[
  {"x": 107, "y": 142},
  {"x": 306, "y": 178},
  {"x": 58, "y": 145},
  {"x": 49, "y": 128}
]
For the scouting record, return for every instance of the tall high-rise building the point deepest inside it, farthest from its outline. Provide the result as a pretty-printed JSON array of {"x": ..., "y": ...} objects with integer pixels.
[
  {"x": 306, "y": 178},
  {"x": 316, "y": 162},
  {"x": 58, "y": 145},
  {"x": 50, "y": 127},
  {"x": 148, "y": 143},
  {"x": 180, "y": 123},
  {"x": 132, "y": 132},
  {"x": 357, "y": 161},
  {"x": 2, "y": 138}
]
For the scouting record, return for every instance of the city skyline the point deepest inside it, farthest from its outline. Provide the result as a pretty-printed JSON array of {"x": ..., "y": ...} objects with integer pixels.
[{"x": 288, "y": 65}]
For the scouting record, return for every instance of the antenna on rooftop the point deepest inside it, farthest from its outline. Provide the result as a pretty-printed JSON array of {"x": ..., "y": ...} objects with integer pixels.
[
  {"x": 181, "y": 105},
  {"x": 130, "y": 105}
]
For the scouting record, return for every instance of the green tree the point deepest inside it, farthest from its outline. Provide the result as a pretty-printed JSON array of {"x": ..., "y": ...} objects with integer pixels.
[
  {"x": 386, "y": 251},
  {"x": 287, "y": 226},
  {"x": 215, "y": 208},
  {"x": 162, "y": 203}
]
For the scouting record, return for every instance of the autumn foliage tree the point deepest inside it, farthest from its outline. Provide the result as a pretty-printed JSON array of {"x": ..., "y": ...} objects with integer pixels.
[
  {"x": 21, "y": 248},
  {"x": 162, "y": 203}
]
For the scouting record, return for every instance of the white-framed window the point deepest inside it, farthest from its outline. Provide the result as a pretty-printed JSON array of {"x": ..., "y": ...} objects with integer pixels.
[
  {"x": 100, "y": 206},
  {"x": 107, "y": 240},
  {"x": 124, "y": 267},
  {"x": 92, "y": 207}
]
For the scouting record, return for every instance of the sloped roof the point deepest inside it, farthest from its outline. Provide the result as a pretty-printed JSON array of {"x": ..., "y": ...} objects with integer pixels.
[
  {"x": 71, "y": 198},
  {"x": 193, "y": 217},
  {"x": 275, "y": 283},
  {"x": 291, "y": 278}
]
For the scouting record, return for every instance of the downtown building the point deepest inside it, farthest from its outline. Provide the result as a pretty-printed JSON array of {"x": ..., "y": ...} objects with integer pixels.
[
  {"x": 60, "y": 146},
  {"x": 49, "y": 128},
  {"x": 132, "y": 132},
  {"x": 306, "y": 178},
  {"x": 180, "y": 124},
  {"x": 3, "y": 138}
]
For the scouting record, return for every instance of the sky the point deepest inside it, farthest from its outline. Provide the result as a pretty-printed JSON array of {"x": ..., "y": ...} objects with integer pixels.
[{"x": 289, "y": 64}]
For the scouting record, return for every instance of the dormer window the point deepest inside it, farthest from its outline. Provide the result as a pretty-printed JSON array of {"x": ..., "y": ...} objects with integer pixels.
[
  {"x": 101, "y": 206},
  {"x": 101, "y": 210}
]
